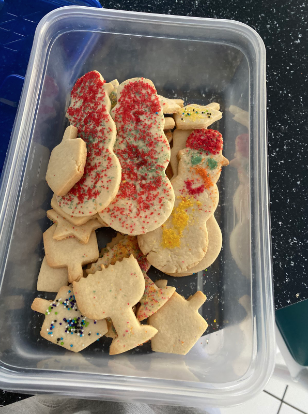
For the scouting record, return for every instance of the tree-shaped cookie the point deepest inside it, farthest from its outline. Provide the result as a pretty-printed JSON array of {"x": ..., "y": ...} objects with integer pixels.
[
  {"x": 65, "y": 229},
  {"x": 195, "y": 116},
  {"x": 70, "y": 253},
  {"x": 111, "y": 293},
  {"x": 89, "y": 112},
  {"x": 178, "y": 323},
  {"x": 145, "y": 198},
  {"x": 66, "y": 163},
  {"x": 64, "y": 324},
  {"x": 182, "y": 241},
  {"x": 153, "y": 297}
]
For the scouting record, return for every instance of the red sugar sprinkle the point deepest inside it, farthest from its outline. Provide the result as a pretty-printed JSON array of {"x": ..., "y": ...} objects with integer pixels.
[
  {"x": 205, "y": 139},
  {"x": 193, "y": 191}
]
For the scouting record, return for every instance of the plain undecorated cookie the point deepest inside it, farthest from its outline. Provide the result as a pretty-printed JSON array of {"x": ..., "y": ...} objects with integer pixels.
[
  {"x": 111, "y": 293},
  {"x": 70, "y": 253},
  {"x": 65, "y": 229},
  {"x": 178, "y": 323},
  {"x": 66, "y": 163},
  {"x": 51, "y": 279},
  {"x": 64, "y": 325}
]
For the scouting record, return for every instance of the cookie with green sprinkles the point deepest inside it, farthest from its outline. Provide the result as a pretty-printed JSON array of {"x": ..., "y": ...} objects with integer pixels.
[
  {"x": 195, "y": 116},
  {"x": 65, "y": 325}
]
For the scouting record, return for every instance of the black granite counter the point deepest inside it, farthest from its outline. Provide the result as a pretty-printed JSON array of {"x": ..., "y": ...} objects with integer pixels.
[{"x": 283, "y": 28}]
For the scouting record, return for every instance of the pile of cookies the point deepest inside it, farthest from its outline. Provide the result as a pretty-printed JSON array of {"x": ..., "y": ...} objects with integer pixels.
[{"x": 110, "y": 171}]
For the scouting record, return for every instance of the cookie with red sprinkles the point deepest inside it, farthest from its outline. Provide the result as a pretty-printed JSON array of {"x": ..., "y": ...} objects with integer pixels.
[
  {"x": 89, "y": 111},
  {"x": 182, "y": 241},
  {"x": 145, "y": 198}
]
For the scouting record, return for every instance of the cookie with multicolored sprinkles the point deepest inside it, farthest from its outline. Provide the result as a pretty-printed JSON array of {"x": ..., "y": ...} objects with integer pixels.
[
  {"x": 64, "y": 325},
  {"x": 70, "y": 253},
  {"x": 89, "y": 111},
  {"x": 182, "y": 241},
  {"x": 111, "y": 293},
  {"x": 145, "y": 198},
  {"x": 65, "y": 229},
  {"x": 194, "y": 116}
]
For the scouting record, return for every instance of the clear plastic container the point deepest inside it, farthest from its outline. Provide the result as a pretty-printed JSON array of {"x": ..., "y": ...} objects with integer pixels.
[{"x": 199, "y": 60}]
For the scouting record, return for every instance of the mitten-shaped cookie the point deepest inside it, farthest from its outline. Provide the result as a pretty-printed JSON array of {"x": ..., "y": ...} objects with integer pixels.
[
  {"x": 66, "y": 163},
  {"x": 178, "y": 323},
  {"x": 145, "y": 198},
  {"x": 111, "y": 293},
  {"x": 70, "y": 253},
  {"x": 64, "y": 324},
  {"x": 182, "y": 241},
  {"x": 89, "y": 112}
]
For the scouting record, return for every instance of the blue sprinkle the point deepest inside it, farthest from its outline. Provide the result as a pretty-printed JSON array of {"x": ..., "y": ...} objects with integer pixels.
[
  {"x": 71, "y": 345},
  {"x": 49, "y": 333},
  {"x": 97, "y": 333},
  {"x": 69, "y": 291},
  {"x": 80, "y": 335},
  {"x": 61, "y": 338}
]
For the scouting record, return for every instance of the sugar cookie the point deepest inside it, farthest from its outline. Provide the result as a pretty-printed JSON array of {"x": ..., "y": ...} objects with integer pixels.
[
  {"x": 64, "y": 324},
  {"x": 66, "y": 163},
  {"x": 169, "y": 123},
  {"x": 153, "y": 297},
  {"x": 170, "y": 106},
  {"x": 145, "y": 198},
  {"x": 72, "y": 219},
  {"x": 89, "y": 112},
  {"x": 213, "y": 250},
  {"x": 179, "y": 138},
  {"x": 182, "y": 241},
  {"x": 178, "y": 323},
  {"x": 111, "y": 293},
  {"x": 51, "y": 279},
  {"x": 65, "y": 229},
  {"x": 69, "y": 253},
  {"x": 195, "y": 116}
]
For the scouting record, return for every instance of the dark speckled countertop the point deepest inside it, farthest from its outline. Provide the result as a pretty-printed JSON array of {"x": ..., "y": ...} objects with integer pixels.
[{"x": 283, "y": 26}]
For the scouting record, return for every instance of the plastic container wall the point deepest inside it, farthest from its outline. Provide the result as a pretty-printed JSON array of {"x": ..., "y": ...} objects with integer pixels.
[{"x": 199, "y": 60}]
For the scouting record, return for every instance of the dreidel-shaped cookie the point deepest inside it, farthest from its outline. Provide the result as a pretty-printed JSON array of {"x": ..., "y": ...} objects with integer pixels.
[
  {"x": 64, "y": 324},
  {"x": 67, "y": 162},
  {"x": 111, "y": 293},
  {"x": 178, "y": 323}
]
